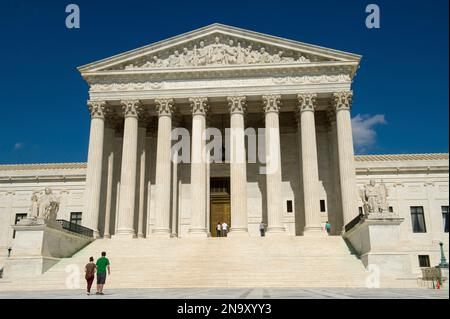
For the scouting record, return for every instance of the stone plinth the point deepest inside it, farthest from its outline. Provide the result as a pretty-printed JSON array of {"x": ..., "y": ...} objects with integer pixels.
[
  {"x": 38, "y": 245},
  {"x": 377, "y": 240}
]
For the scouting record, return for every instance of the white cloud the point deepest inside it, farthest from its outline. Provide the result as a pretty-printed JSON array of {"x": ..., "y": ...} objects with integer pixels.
[
  {"x": 364, "y": 134},
  {"x": 18, "y": 146}
]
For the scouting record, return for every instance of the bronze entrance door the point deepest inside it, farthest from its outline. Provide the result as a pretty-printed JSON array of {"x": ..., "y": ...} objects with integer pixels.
[{"x": 220, "y": 210}]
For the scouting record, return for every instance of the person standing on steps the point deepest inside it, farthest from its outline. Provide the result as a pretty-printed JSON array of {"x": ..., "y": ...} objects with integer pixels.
[
  {"x": 328, "y": 227},
  {"x": 102, "y": 266},
  {"x": 262, "y": 229},
  {"x": 218, "y": 229},
  {"x": 224, "y": 229},
  {"x": 90, "y": 269}
]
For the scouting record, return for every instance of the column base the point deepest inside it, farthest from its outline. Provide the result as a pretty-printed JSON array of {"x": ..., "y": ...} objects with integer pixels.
[
  {"x": 197, "y": 233},
  {"x": 140, "y": 236},
  {"x": 161, "y": 233},
  {"x": 315, "y": 232},
  {"x": 107, "y": 236},
  {"x": 125, "y": 234},
  {"x": 240, "y": 232},
  {"x": 276, "y": 231}
]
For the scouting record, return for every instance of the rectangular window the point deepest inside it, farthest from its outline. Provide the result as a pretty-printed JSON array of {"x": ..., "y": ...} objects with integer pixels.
[
  {"x": 75, "y": 218},
  {"x": 418, "y": 219},
  {"x": 322, "y": 205},
  {"x": 391, "y": 209},
  {"x": 19, "y": 217},
  {"x": 360, "y": 209},
  {"x": 424, "y": 261},
  {"x": 444, "y": 210},
  {"x": 289, "y": 206}
]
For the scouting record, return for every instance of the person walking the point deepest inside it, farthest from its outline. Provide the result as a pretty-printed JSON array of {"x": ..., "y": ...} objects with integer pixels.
[
  {"x": 262, "y": 229},
  {"x": 328, "y": 227},
  {"x": 224, "y": 229},
  {"x": 102, "y": 265},
  {"x": 90, "y": 269},
  {"x": 218, "y": 229}
]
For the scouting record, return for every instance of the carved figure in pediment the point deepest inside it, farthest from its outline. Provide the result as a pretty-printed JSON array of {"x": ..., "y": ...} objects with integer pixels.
[
  {"x": 201, "y": 54},
  {"x": 287, "y": 59},
  {"x": 174, "y": 59},
  {"x": 240, "y": 54},
  {"x": 264, "y": 56},
  {"x": 217, "y": 52},
  {"x": 248, "y": 57},
  {"x": 302, "y": 59},
  {"x": 130, "y": 66},
  {"x": 187, "y": 58},
  {"x": 276, "y": 58},
  {"x": 230, "y": 53}
]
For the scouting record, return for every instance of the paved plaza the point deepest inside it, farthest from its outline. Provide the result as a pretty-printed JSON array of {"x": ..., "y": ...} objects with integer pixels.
[{"x": 238, "y": 293}]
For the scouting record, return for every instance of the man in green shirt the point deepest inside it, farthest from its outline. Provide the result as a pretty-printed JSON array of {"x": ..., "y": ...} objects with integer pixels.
[{"x": 102, "y": 266}]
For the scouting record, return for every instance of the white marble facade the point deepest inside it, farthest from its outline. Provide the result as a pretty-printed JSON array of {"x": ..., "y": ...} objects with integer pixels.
[{"x": 222, "y": 77}]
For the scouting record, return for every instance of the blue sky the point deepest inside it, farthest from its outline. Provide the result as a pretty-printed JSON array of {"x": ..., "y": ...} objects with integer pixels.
[{"x": 401, "y": 90}]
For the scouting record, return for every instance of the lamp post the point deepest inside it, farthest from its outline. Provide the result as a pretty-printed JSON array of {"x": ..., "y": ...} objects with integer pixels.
[{"x": 443, "y": 263}]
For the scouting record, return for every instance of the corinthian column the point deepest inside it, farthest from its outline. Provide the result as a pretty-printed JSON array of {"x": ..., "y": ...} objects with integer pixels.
[
  {"x": 110, "y": 133},
  {"x": 163, "y": 165},
  {"x": 142, "y": 133},
  {"x": 238, "y": 167},
  {"x": 125, "y": 224},
  {"x": 94, "y": 165},
  {"x": 342, "y": 102},
  {"x": 272, "y": 105},
  {"x": 306, "y": 107},
  {"x": 198, "y": 167}
]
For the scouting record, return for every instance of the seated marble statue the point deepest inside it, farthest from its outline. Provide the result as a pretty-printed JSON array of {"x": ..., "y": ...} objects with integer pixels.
[
  {"x": 45, "y": 207},
  {"x": 374, "y": 198}
]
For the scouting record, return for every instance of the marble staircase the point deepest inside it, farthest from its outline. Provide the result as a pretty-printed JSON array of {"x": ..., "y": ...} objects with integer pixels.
[{"x": 212, "y": 262}]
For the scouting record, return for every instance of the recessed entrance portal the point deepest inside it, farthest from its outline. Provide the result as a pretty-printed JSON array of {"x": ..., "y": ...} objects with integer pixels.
[{"x": 220, "y": 203}]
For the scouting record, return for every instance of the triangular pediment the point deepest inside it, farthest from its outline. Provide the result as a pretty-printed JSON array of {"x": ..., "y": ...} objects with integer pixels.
[{"x": 219, "y": 46}]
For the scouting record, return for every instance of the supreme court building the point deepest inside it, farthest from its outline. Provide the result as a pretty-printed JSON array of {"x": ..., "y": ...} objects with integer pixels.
[{"x": 292, "y": 100}]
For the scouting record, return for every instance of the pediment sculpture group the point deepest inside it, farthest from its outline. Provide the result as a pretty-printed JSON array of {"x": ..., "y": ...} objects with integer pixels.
[
  {"x": 374, "y": 198},
  {"x": 217, "y": 53}
]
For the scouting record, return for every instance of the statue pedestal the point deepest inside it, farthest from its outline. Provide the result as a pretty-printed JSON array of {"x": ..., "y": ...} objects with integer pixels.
[
  {"x": 376, "y": 238},
  {"x": 38, "y": 245}
]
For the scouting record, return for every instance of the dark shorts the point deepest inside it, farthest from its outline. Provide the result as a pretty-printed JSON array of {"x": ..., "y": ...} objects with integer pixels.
[{"x": 101, "y": 278}]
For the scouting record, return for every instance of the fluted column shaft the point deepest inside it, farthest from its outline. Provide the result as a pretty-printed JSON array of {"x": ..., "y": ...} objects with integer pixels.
[
  {"x": 163, "y": 167},
  {"x": 198, "y": 167},
  {"x": 125, "y": 225},
  {"x": 273, "y": 164},
  {"x": 342, "y": 102},
  {"x": 307, "y": 104},
  {"x": 94, "y": 165},
  {"x": 238, "y": 167},
  {"x": 109, "y": 180},
  {"x": 142, "y": 132}
]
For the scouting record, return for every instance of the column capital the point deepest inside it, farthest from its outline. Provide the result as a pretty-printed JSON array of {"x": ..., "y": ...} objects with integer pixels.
[
  {"x": 307, "y": 102},
  {"x": 199, "y": 105},
  {"x": 342, "y": 100},
  {"x": 131, "y": 108},
  {"x": 97, "y": 108},
  {"x": 237, "y": 104},
  {"x": 271, "y": 103},
  {"x": 165, "y": 106}
]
